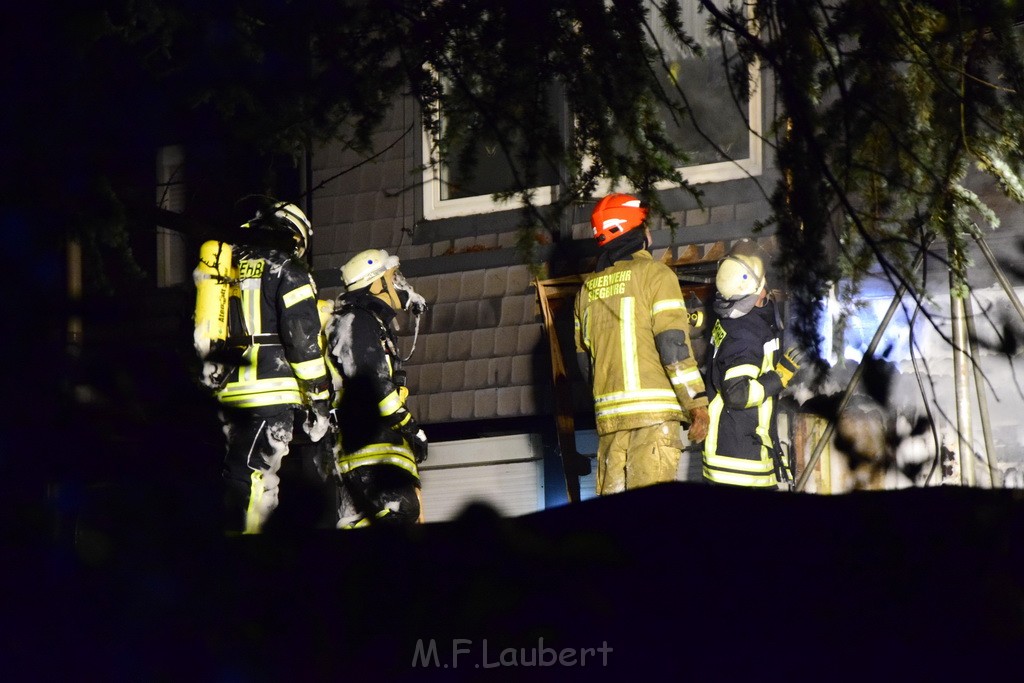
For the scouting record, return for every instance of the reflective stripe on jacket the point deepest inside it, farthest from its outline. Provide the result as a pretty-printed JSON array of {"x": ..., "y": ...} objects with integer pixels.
[
  {"x": 278, "y": 298},
  {"x": 618, "y": 313},
  {"x": 398, "y": 455},
  {"x": 742, "y": 386}
]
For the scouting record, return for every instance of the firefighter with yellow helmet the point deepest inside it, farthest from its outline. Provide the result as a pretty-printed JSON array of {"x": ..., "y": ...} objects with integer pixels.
[
  {"x": 380, "y": 442},
  {"x": 633, "y": 342},
  {"x": 747, "y": 372},
  {"x": 264, "y": 364}
]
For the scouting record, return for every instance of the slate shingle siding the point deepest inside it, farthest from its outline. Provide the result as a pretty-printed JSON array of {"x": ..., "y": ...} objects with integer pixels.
[{"x": 479, "y": 347}]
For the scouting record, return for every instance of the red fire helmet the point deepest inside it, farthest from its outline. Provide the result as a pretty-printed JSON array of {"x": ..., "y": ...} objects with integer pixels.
[{"x": 615, "y": 215}]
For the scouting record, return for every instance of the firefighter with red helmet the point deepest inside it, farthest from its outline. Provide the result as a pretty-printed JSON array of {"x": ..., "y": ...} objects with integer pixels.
[
  {"x": 746, "y": 374},
  {"x": 380, "y": 442},
  {"x": 269, "y": 371},
  {"x": 633, "y": 342}
]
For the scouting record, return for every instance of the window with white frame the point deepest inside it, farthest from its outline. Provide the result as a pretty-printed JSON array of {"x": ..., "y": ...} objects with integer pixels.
[
  {"x": 454, "y": 189},
  {"x": 721, "y": 138},
  {"x": 720, "y": 141}
]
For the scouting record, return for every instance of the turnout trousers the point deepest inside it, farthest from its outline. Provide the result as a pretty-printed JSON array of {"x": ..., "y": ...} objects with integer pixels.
[
  {"x": 633, "y": 458},
  {"x": 257, "y": 442},
  {"x": 378, "y": 494}
]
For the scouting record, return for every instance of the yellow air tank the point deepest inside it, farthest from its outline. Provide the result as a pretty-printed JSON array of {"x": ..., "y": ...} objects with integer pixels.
[
  {"x": 213, "y": 278},
  {"x": 325, "y": 307}
]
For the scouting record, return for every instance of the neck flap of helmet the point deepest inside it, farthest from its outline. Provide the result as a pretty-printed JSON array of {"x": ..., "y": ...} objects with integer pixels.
[{"x": 621, "y": 247}]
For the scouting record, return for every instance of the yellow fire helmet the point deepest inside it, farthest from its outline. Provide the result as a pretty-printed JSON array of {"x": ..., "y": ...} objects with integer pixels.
[
  {"x": 739, "y": 276},
  {"x": 739, "y": 280},
  {"x": 365, "y": 268}
]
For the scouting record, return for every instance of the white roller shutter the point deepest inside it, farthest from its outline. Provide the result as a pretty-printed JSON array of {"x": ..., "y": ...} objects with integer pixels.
[{"x": 505, "y": 472}]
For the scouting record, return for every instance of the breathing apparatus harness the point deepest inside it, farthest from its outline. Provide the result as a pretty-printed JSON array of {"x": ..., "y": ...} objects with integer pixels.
[
  {"x": 220, "y": 334},
  {"x": 401, "y": 297}
]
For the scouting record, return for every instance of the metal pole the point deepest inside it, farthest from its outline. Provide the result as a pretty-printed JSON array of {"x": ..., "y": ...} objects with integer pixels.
[
  {"x": 979, "y": 386},
  {"x": 307, "y": 183},
  {"x": 1000, "y": 276},
  {"x": 1011, "y": 294},
  {"x": 961, "y": 383}
]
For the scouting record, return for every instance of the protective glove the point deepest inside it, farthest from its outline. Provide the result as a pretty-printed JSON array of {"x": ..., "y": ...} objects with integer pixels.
[
  {"x": 789, "y": 364},
  {"x": 326, "y": 462},
  {"x": 418, "y": 443},
  {"x": 213, "y": 375},
  {"x": 317, "y": 420},
  {"x": 699, "y": 423}
]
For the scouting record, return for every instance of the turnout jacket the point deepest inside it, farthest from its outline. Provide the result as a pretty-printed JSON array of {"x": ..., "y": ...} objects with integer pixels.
[
  {"x": 631, "y": 322},
  {"x": 741, "y": 448},
  {"x": 373, "y": 420},
  {"x": 283, "y": 364}
]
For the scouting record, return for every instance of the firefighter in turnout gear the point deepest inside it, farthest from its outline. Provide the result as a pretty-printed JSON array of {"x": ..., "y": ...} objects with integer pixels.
[
  {"x": 746, "y": 374},
  {"x": 633, "y": 342},
  {"x": 278, "y": 374},
  {"x": 380, "y": 442}
]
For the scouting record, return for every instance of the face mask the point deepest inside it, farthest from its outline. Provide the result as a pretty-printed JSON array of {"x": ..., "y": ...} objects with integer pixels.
[
  {"x": 384, "y": 289},
  {"x": 735, "y": 308}
]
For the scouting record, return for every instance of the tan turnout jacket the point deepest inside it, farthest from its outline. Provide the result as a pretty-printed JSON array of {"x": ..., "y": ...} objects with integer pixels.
[{"x": 619, "y": 311}]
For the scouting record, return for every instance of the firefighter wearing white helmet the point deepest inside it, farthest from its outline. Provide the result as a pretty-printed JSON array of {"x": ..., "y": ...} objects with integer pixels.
[
  {"x": 633, "y": 344},
  {"x": 380, "y": 442},
  {"x": 746, "y": 374},
  {"x": 276, "y": 373}
]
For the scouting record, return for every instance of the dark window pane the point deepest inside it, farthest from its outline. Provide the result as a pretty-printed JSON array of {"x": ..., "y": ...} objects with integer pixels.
[
  {"x": 491, "y": 171},
  {"x": 725, "y": 133}
]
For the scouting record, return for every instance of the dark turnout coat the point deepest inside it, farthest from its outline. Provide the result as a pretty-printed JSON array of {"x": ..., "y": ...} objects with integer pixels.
[
  {"x": 742, "y": 445},
  {"x": 283, "y": 364},
  {"x": 373, "y": 419}
]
